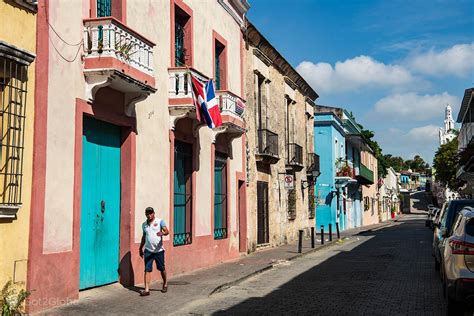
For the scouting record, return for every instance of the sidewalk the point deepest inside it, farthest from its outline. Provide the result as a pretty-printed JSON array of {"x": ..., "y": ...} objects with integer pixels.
[{"x": 116, "y": 299}]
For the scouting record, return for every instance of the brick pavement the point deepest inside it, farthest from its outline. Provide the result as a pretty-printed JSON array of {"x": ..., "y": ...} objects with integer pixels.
[{"x": 383, "y": 272}]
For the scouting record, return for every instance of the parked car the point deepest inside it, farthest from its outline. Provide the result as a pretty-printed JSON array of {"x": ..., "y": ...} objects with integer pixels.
[
  {"x": 443, "y": 227},
  {"x": 430, "y": 216},
  {"x": 457, "y": 268},
  {"x": 433, "y": 216}
]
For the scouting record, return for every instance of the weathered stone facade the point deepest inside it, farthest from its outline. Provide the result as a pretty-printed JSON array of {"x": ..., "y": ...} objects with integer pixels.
[{"x": 279, "y": 101}]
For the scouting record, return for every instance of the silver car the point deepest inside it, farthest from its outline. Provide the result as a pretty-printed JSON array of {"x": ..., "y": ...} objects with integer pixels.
[{"x": 457, "y": 267}]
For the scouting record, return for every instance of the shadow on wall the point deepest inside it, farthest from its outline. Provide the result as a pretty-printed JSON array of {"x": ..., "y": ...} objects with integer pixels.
[{"x": 329, "y": 197}]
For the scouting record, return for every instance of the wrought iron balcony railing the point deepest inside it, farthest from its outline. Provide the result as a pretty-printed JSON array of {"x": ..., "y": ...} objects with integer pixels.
[
  {"x": 267, "y": 143},
  {"x": 312, "y": 162},
  {"x": 295, "y": 155}
]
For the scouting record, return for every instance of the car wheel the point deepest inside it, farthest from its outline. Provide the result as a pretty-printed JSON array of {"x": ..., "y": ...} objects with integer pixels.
[{"x": 436, "y": 265}]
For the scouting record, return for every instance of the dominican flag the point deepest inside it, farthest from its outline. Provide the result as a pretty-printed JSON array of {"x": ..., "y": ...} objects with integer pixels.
[{"x": 207, "y": 107}]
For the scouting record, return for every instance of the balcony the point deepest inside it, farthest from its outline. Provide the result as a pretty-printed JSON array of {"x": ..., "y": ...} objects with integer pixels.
[
  {"x": 365, "y": 176},
  {"x": 267, "y": 151},
  {"x": 117, "y": 57},
  {"x": 344, "y": 173},
  {"x": 312, "y": 165},
  {"x": 295, "y": 157},
  {"x": 232, "y": 112},
  {"x": 180, "y": 97}
]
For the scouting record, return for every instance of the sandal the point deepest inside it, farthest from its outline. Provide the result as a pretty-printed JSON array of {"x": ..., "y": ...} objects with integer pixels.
[
  {"x": 165, "y": 289},
  {"x": 144, "y": 293}
]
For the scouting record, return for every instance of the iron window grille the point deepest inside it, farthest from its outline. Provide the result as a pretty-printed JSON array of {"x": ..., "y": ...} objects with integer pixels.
[
  {"x": 220, "y": 197},
  {"x": 311, "y": 202},
  {"x": 292, "y": 204},
  {"x": 182, "y": 234},
  {"x": 13, "y": 94},
  {"x": 104, "y": 8}
]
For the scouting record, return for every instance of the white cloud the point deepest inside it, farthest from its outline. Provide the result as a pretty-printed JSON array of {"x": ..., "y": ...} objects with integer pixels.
[
  {"x": 423, "y": 133},
  {"x": 419, "y": 140},
  {"x": 414, "y": 107},
  {"x": 457, "y": 60},
  {"x": 351, "y": 74}
]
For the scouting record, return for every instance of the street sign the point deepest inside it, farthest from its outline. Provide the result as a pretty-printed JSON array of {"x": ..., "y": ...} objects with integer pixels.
[{"x": 289, "y": 181}]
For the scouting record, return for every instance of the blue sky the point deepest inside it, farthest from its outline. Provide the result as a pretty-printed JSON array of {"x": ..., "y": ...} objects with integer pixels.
[{"x": 394, "y": 64}]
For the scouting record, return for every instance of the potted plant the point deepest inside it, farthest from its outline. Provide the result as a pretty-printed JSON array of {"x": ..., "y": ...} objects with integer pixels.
[{"x": 393, "y": 211}]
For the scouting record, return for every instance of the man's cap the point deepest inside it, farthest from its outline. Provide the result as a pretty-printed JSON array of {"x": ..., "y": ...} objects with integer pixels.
[{"x": 149, "y": 210}]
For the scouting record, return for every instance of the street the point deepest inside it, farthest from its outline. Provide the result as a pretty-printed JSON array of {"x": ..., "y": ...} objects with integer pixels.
[{"x": 388, "y": 271}]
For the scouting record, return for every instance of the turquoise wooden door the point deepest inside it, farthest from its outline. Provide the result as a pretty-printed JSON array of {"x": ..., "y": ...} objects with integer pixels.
[{"x": 100, "y": 205}]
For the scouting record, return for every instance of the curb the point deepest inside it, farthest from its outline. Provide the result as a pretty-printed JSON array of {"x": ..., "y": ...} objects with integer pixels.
[{"x": 227, "y": 285}]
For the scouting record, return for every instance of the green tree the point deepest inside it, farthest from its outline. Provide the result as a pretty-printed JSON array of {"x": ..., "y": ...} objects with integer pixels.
[
  {"x": 397, "y": 162},
  {"x": 445, "y": 163}
]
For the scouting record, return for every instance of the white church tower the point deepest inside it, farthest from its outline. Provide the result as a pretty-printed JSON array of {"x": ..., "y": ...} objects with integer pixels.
[{"x": 447, "y": 133}]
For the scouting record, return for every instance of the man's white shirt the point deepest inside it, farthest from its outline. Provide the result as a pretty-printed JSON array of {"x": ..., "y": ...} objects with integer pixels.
[{"x": 153, "y": 243}]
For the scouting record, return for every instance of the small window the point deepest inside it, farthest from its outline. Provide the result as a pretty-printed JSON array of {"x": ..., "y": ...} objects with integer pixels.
[
  {"x": 182, "y": 38},
  {"x": 104, "y": 8},
  {"x": 220, "y": 65}
]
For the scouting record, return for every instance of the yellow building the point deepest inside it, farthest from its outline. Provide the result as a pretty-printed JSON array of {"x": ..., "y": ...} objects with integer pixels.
[{"x": 17, "y": 73}]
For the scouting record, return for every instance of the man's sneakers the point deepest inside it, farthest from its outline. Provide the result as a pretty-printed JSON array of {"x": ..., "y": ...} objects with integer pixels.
[{"x": 165, "y": 289}]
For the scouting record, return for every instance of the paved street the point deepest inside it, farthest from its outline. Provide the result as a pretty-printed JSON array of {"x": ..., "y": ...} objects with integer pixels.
[{"x": 389, "y": 271}]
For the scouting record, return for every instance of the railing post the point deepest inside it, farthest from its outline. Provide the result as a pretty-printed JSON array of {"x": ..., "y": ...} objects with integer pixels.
[
  {"x": 322, "y": 234},
  {"x": 330, "y": 232},
  {"x": 300, "y": 241},
  {"x": 181, "y": 78},
  {"x": 312, "y": 237},
  {"x": 338, "y": 233}
]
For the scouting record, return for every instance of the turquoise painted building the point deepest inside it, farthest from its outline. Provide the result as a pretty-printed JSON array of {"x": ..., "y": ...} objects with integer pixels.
[{"x": 338, "y": 142}]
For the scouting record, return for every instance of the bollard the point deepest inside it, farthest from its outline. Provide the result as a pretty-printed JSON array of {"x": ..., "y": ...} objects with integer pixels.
[
  {"x": 330, "y": 232},
  {"x": 322, "y": 234},
  {"x": 300, "y": 241},
  {"x": 338, "y": 233},
  {"x": 312, "y": 237}
]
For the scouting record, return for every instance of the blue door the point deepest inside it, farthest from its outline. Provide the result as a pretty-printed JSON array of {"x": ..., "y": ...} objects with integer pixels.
[{"x": 100, "y": 205}]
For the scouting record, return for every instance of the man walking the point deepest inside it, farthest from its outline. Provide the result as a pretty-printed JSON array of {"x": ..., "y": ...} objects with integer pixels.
[{"x": 154, "y": 229}]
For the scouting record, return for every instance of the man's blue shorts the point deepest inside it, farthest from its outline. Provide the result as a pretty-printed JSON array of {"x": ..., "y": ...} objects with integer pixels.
[{"x": 158, "y": 257}]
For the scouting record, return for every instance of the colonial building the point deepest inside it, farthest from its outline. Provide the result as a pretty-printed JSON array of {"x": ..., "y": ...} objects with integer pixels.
[
  {"x": 281, "y": 159},
  {"x": 465, "y": 172},
  {"x": 339, "y": 143},
  {"x": 389, "y": 191},
  {"x": 17, "y": 112},
  {"x": 370, "y": 191},
  {"x": 116, "y": 131}
]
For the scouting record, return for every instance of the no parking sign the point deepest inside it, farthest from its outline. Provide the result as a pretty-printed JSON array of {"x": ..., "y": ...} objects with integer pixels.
[{"x": 289, "y": 181}]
